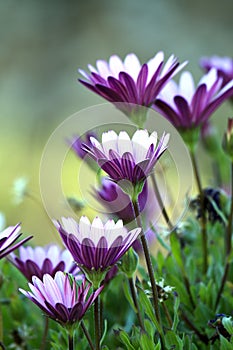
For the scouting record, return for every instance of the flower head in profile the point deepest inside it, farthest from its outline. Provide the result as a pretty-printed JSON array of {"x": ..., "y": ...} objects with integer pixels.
[
  {"x": 41, "y": 260},
  {"x": 127, "y": 159},
  {"x": 116, "y": 202},
  {"x": 128, "y": 83},
  {"x": 60, "y": 297},
  {"x": 223, "y": 65},
  {"x": 96, "y": 246},
  {"x": 187, "y": 106},
  {"x": 8, "y": 237}
]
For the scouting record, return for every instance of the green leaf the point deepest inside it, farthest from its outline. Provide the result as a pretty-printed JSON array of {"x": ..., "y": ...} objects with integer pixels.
[
  {"x": 176, "y": 316},
  {"x": 146, "y": 304},
  {"x": 173, "y": 341},
  {"x": 146, "y": 343},
  {"x": 228, "y": 324},
  {"x": 225, "y": 344},
  {"x": 124, "y": 338},
  {"x": 176, "y": 251},
  {"x": 128, "y": 296}
]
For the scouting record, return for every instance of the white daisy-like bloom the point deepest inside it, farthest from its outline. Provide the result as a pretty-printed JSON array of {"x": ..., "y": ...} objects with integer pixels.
[
  {"x": 41, "y": 260},
  {"x": 7, "y": 239},
  {"x": 125, "y": 158},
  {"x": 96, "y": 245},
  {"x": 187, "y": 105},
  {"x": 129, "y": 81}
]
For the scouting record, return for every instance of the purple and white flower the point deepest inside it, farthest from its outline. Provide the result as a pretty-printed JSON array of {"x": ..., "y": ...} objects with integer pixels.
[
  {"x": 123, "y": 158},
  {"x": 130, "y": 82},
  {"x": 41, "y": 260},
  {"x": 96, "y": 246},
  {"x": 60, "y": 298},
  {"x": 187, "y": 106},
  {"x": 7, "y": 239},
  {"x": 224, "y": 66}
]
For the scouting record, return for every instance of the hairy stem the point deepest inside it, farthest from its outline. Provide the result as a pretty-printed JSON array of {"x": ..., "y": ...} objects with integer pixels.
[
  {"x": 135, "y": 301},
  {"x": 149, "y": 268},
  {"x": 45, "y": 334},
  {"x": 87, "y": 335},
  {"x": 228, "y": 245},
  {"x": 203, "y": 216},
  {"x": 97, "y": 323}
]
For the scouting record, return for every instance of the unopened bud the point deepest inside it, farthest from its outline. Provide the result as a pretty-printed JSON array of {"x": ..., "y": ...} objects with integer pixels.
[
  {"x": 129, "y": 263},
  {"x": 227, "y": 143}
]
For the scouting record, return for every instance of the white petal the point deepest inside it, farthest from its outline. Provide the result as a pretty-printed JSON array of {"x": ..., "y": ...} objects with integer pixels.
[
  {"x": 96, "y": 143},
  {"x": 124, "y": 143},
  {"x": 84, "y": 228},
  {"x": 209, "y": 79},
  {"x": 132, "y": 65},
  {"x": 153, "y": 64},
  {"x": 140, "y": 143},
  {"x": 116, "y": 65},
  {"x": 186, "y": 86},
  {"x": 109, "y": 141},
  {"x": 70, "y": 225},
  {"x": 103, "y": 68},
  {"x": 97, "y": 230}
]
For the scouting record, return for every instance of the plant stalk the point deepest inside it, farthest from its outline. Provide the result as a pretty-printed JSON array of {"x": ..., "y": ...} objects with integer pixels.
[
  {"x": 97, "y": 323},
  {"x": 228, "y": 245},
  {"x": 149, "y": 268},
  {"x": 203, "y": 216},
  {"x": 87, "y": 335},
  {"x": 135, "y": 301}
]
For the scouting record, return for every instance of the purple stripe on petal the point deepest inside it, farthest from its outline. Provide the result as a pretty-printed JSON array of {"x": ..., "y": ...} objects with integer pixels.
[
  {"x": 168, "y": 112},
  {"x": 108, "y": 93},
  {"x": 198, "y": 102},
  {"x": 130, "y": 86},
  {"x": 183, "y": 108},
  {"x": 119, "y": 88},
  {"x": 141, "y": 82}
]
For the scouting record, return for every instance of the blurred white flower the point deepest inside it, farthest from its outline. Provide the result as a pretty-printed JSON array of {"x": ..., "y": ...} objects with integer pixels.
[
  {"x": 2, "y": 221},
  {"x": 20, "y": 189}
]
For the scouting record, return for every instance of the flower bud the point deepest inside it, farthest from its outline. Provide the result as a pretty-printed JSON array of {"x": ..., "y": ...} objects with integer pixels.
[
  {"x": 129, "y": 262},
  {"x": 227, "y": 143}
]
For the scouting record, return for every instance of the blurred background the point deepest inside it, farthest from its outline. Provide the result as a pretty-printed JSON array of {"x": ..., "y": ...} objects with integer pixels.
[{"x": 43, "y": 43}]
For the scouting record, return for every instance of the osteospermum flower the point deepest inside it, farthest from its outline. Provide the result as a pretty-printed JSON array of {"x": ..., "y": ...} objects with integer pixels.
[
  {"x": 224, "y": 66},
  {"x": 60, "y": 297},
  {"x": 41, "y": 260},
  {"x": 123, "y": 158},
  {"x": 130, "y": 82},
  {"x": 187, "y": 106},
  {"x": 117, "y": 202},
  {"x": 96, "y": 246},
  {"x": 7, "y": 239}
]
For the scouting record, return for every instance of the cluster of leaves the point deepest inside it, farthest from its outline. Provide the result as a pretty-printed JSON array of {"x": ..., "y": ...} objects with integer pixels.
[{"x": 190, "y": 316}]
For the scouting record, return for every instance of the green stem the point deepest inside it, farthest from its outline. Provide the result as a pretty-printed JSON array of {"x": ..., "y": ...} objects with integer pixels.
[
  {"x": 167, "y": 314},
  {"x": 160, "y": 201},
  {"x": 135, "y": 301},
  {"x": 71, "y": 340},
  {"x": 45, "y": 334},
  {"x": 149, "y": 268},
  {"x": 171, "y": 227},
  {"x": 87, "y": 335},
  {"x": 1, "y": 325},
  {"x": 97, "y": 324},
  {"x": 203, "y": 216},
  {"x": 201, "y": 336},
  {"x": 228, "y": 245}
]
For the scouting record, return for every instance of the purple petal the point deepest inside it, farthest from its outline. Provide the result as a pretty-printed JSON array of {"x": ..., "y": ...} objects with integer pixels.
[
  {"x": 130, "y": 86},
  {"x": 141, "y": 82}
]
